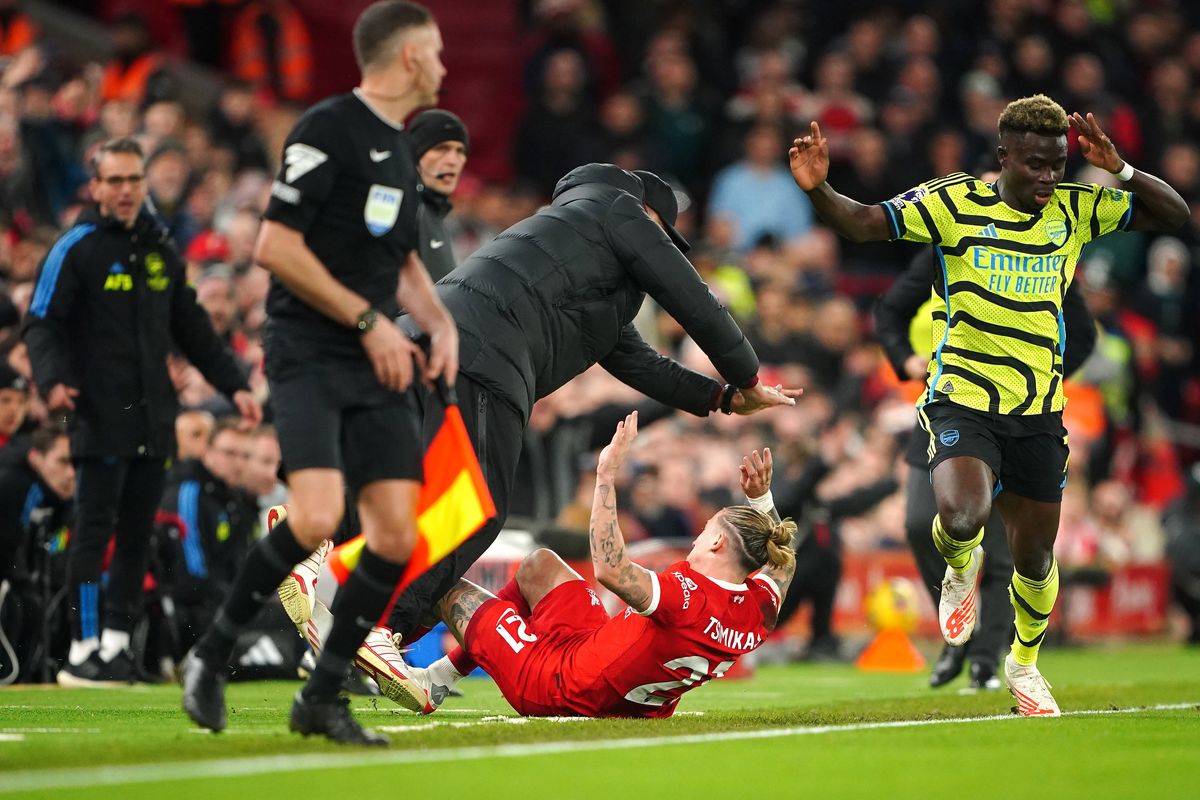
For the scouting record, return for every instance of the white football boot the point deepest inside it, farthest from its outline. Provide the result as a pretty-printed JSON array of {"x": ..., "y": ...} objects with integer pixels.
[
  {"x": 959, "y": 606},
  {"x": 1029, "y": 689}
]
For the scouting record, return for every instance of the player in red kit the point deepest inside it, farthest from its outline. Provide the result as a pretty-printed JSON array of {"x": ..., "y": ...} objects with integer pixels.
[{"x": 552, "y": 649}]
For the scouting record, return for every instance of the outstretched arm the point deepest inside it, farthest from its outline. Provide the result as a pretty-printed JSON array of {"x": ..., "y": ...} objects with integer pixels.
[
  {"x": 1158, "y": 206},
  {"x": 756, "y": 473},
  {"x": 809, "y": 159},
  {"x": 632, "y": 583}
]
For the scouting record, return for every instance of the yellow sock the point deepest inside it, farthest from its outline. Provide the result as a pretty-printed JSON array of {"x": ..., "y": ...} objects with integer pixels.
[
  {"x": 956, "y": 553},
  {"x": 1033, "y": 602}
]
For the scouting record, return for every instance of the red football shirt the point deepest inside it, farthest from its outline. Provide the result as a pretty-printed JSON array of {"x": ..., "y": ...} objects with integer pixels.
[{"x": 639, "y": 664}]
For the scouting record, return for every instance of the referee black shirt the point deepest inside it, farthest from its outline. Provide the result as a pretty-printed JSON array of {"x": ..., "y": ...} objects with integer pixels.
[{"x": 349, "y": 185}]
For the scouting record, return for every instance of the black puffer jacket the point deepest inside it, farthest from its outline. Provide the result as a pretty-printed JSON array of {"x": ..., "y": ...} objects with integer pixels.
[
  {"x": 108, "y": 303},
  {"x": 558, "y": 292}
]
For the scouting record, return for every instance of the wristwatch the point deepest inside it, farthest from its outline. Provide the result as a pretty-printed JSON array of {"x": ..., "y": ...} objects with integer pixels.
[{"x": 367, "y": 321}]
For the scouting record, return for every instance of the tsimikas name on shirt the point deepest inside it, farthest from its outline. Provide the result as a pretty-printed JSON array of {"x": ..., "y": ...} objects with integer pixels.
[
  {"x": 1049, "y": 267},
  {"x": 729, "y": 638}
]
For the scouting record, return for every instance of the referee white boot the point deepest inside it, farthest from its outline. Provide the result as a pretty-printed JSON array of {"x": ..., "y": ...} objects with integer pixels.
[{"x": 959, "y": 608}]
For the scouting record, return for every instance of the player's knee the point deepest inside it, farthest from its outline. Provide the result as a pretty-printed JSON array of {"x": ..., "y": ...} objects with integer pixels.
[
  {"x": 539, "y": 567},
  {"x": 964, "y": 519}
]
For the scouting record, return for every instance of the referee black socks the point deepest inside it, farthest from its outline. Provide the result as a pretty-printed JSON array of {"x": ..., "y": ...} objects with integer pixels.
[
  {"x": 266, "y": 565},
  {"x": 359, "y": 605}
]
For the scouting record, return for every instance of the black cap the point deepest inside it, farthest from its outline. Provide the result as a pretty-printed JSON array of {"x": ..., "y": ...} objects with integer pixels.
[
  {"x": 430, "y": 128},
  {"x": 662, "y": 198},
  {"x": 11, "y": 379}
]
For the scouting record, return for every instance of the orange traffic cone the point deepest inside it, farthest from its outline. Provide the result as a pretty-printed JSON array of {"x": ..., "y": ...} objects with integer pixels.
[{"x": 891, "y": 651}]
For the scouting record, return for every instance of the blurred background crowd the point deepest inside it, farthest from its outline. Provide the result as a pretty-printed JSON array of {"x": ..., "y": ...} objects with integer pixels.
[{"x": 710, "y": 94}]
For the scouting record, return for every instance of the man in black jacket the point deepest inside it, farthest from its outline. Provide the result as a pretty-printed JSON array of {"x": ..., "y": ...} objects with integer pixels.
[
  {"x": 110, "y": 298},
  {"x": 544, "y": 301},
  {"x": 904, "y": 324},
  {"x": 35, "y": 509},
  {"x": 440, "y": 144},
  {"x": 209, "y": 528}
]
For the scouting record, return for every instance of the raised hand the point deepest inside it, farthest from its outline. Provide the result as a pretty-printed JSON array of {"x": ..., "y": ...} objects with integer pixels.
[
  {"x": 612, "y": 456},
  {"x": 809, "y": 159},
  {"x": 755, "y": 472},
  {"x": 1094, "y": 144}
]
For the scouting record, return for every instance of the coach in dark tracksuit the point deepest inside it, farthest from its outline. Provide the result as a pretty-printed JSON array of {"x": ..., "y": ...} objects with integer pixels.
[
  {"x": 902, "y": 320},
  {"x": 555, "y": 294},
  {"x": 110, "y": 299}
]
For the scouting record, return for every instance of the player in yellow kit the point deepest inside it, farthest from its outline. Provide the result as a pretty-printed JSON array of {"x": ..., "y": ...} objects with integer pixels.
[{"x": 993, "y": 404}]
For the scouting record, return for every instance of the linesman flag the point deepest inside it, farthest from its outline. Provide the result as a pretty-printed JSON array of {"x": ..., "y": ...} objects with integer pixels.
[{"x": 452, "y": 506}]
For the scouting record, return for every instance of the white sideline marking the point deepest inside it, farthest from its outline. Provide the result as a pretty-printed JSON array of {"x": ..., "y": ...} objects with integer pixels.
[
  {"x": 32, "y": 780},
  {"x": 49, "y": 730},
  {"x": 12, "y": 737}
]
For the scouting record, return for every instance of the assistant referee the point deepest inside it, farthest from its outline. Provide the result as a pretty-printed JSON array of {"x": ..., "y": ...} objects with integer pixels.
[{"x": 340, "y": 239}]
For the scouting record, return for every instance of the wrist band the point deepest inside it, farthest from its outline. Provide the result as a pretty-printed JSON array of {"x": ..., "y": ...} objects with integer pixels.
[
  {"x": 1126, "y": 172},
  {"x": 763, "y": 503},
  {"x": 726, "y": 406}
]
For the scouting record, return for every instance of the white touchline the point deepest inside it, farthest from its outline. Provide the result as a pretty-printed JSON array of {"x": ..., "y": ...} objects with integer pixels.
[{"x": 31, "y": 780}]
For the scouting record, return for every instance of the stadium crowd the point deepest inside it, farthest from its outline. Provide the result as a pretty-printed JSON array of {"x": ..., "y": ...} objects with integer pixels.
[{"x": 708, "y": 94}]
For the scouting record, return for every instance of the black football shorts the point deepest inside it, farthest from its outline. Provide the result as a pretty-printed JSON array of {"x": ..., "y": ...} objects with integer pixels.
[{"x": 1027, "y": 454}]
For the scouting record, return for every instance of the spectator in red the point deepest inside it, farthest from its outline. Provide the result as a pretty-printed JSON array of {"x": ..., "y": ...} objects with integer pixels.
[{"x": 271, "y": 49}]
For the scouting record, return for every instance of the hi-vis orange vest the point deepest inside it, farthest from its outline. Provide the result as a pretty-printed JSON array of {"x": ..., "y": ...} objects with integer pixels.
[
  {"x": 128, "y": 83},
  {"x": 20, "y": 34},
  {"x": 248, "y": 52}
]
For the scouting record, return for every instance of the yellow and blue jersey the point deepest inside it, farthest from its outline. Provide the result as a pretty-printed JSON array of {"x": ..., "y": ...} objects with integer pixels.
[{"x": 998, "y": 330}]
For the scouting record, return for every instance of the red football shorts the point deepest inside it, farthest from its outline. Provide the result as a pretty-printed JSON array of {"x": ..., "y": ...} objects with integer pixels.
[{"x": 525, "y": 656}]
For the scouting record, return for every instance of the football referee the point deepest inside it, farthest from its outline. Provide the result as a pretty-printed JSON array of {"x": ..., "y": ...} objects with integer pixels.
[
  {"x": 339, "y": 237},
  {"x": 1006, "y": 252}
]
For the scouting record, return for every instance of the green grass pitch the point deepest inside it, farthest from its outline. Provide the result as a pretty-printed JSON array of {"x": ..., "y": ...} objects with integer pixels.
[{"x": 815, "y": 731}]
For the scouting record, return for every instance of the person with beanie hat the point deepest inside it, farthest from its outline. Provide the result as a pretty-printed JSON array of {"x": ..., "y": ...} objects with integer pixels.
[{"x": 440, "y": 143}]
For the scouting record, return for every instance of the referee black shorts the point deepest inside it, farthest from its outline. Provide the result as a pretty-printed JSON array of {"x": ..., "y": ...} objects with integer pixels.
[
  {"x": 342, "y": 418},
  {"x": 1027, "y": 454}
]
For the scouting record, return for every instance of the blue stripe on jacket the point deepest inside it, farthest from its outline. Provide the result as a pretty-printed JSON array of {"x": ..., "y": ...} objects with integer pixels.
[
  {"x": 189, "y": 512},
  {"x": 44, "y": 292}
]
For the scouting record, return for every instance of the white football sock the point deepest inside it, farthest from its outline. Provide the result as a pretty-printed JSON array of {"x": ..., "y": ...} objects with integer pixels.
[
  {"x": 443, "y": 673},
  {"x": 81, "y": 649},
  {"x": 112, "y": 642}
]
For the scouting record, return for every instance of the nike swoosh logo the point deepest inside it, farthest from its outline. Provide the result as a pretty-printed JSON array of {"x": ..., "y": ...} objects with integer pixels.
[
  {"x": 379, "y": 155},
  {"x": 435, "y": 243}
]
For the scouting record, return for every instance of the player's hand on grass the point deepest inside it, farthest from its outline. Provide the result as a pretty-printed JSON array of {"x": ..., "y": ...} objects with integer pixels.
[
  {"x": 755, "y": 472},
  {"x": 392, "y": 355},
  {"x": 809, "y": 159},
  {"x": 1094, "y": 144},
  {"x": 758, "y": 397},
  {"x": 612, "y": 456}
]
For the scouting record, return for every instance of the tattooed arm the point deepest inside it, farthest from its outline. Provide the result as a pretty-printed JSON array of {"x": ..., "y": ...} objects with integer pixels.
[
  {"x": 632, "y": 583},
  {"x": 459, "y": 604}
]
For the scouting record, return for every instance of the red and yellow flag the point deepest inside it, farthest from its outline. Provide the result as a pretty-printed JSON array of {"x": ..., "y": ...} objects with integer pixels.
[{"x": 453, "y": 504}]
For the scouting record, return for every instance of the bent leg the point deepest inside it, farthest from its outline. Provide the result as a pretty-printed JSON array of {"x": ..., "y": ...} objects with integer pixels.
[
  {"x": 314, "y": 510},
  {"x": 540, "y": 573},
  {"x": 962, "y": 490}
]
